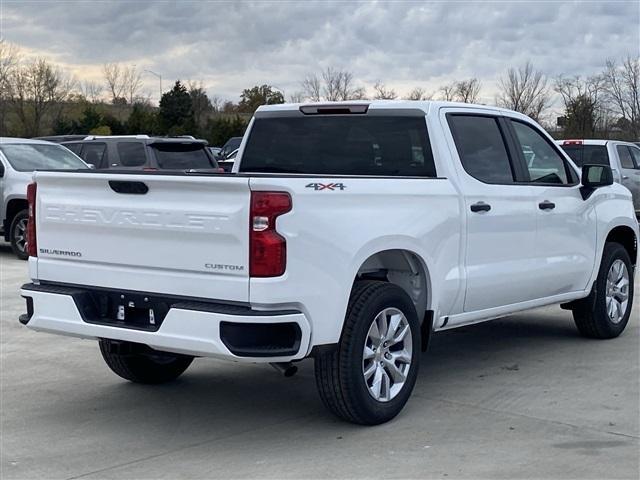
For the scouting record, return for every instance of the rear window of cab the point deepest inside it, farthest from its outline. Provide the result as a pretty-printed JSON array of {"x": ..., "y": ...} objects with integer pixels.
[{"x": 374, "y": 145}]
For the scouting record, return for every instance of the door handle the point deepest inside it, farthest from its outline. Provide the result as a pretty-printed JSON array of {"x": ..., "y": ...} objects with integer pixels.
[
  {"x": 546, "y": 205},
  {"x": 480, "y": 207},
  {"x": 625, "y": 177}
]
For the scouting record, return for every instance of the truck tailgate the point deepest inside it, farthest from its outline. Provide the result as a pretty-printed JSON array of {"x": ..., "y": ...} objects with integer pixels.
[{"x": 187, "y": 235}]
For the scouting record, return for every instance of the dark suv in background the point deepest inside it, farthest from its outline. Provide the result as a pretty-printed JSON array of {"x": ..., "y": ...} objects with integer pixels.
[{"x": 142, "y": 152}]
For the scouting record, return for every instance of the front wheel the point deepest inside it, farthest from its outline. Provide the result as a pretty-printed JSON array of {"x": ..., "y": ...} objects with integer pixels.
[
  {"x": 18, "y": 234},
  {"x": 370, "y": 376},
  {"x": 606, "y": 311},
  {"x": 141, "y": 364}
]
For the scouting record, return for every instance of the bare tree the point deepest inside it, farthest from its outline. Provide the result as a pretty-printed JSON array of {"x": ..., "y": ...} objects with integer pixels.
[
  {"x": 297, "y": 97},
  {"x": 332, "y": 85},
  {"x": 359, "y": 93},
  {"x": 92, "y": 91},
  {"x": 448, "y": 92},
  {"x": 132, "y": 82},
  {"x": 418, "y": 93},
  {"x": 312, "y": 87},
  {"x": 216, "y": 103},
  {"x": 467, "y": 91},
  {"x": 383, "y": 93},
  {"x": 9, "y": 58},
  {"x": 37, "y": 88},
  {"x": 585, "y": 115},
  {"x": 8, "y": 63},
  {"x": 113, "y": 77},
  {"x": 621, "y": 85},
  {"x": 524, "y": 90}
]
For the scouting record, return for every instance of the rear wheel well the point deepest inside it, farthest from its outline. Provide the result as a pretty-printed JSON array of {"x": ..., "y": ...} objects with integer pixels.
[
  {"x": 626, "y": 237},
  {"x": 13, "y": 207},
  {"x": 406, "y": 270}
]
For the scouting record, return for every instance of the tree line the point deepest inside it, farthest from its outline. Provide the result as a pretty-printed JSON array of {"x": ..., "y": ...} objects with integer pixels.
[{"x": 38, "y": 98}]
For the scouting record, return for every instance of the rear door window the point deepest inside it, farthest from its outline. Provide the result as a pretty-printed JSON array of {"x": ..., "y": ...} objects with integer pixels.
[
  {"x": 376, "y": 145},
  {"x": 182, "y": 156},
  {"x": 95, "y": 154},
  {"x": 481, "y": 148},
  {"x": 132, "y": 154}
]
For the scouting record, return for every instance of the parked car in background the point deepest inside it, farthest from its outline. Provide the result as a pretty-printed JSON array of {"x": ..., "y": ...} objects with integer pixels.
[
  {"x": 230, "y": 146},
  {"x": 215, "y": 151},
  {"x": 142, "y": 152},
  {"x": 622, "y": 157},
  {"x": 19, "y": 157},
  {"x": 351, "y": 233},
  {"x": 227, "y": 163},
  {"x": 61, "y": 138}
]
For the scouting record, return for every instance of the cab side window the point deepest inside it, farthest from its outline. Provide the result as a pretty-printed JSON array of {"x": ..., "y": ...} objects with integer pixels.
[
  {"x": 95, "y": 154},
  {"x": 626, "y": 161},
  {"x": 74, "y": 147},
  {"x": 131, "y": 154},
  {"x": 544, "y": 163},
  {"x": 635, "y": 153},
  {"x": 481, "y": 148}
]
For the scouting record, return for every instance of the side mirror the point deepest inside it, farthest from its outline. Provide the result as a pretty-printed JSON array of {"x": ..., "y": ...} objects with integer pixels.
[
  {"x": 593, "y": 177},
  {"x": 91, "y": 166},
  {"x": 1, "y": 170}
]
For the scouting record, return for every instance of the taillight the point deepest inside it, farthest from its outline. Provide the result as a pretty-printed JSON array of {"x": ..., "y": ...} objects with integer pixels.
[
  {"x": 572, "y": 142},
  {"x": 267, "y": 249},
  {"x": 31, "y": 247}
]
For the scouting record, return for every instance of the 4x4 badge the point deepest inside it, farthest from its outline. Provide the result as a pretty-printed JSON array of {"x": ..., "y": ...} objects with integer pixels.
[{"x": 326, "y": 186}]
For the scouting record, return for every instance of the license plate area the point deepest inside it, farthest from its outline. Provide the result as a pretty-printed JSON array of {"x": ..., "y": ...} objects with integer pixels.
[{"x": 128, "y": 310}]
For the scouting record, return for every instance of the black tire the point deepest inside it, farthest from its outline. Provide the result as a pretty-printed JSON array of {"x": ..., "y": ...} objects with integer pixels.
[
  {"x": 18, "y": 245},
  {"x": 141, "y": 364},
  {"x": 590, "y": 314},
  {"x": 339, "y": 373}
]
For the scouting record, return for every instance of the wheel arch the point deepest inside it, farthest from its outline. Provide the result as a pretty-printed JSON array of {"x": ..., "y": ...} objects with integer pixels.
[
  {"x": 408, "y": 270},
  {"x": 625, "y": 236},
  {"x": 14, "y": 206}
]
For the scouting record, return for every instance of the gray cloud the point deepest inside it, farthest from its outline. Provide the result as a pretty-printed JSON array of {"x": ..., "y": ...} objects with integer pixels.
[{"x": 233, "y": 45}]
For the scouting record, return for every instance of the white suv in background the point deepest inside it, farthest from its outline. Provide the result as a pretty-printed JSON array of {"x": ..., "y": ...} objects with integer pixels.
[
  {"x": 19, "y": 157},
  {"x": 622, "y": 157}
]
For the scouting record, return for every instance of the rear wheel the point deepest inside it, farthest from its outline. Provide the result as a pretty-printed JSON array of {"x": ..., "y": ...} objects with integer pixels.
[
  {"x": 370, "y": 376},
  {"x": 606, "y": 311},
  {"x": 18, "y": 234},
  {"x": 141, "y": 364}
]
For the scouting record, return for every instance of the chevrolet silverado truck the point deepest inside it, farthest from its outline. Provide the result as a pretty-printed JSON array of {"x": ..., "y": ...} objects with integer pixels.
[{"x": 347, "y": 232}]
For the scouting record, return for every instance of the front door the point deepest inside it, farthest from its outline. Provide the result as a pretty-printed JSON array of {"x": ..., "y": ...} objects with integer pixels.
[{"x": 565, "y": 241}]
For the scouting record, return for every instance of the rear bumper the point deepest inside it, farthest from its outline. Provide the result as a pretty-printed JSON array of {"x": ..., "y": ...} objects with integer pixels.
[{"x": 189, "y": 327}]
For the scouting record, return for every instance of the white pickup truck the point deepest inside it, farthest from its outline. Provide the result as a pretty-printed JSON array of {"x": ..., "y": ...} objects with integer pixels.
[{"x": 348, "y": 232}]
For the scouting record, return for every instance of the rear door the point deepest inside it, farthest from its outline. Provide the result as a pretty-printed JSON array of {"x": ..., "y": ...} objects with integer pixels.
[
  {"x": 176, "y": 234},
  {"x": 500, "y": 213},
  {"x": 565, "y": 239}
]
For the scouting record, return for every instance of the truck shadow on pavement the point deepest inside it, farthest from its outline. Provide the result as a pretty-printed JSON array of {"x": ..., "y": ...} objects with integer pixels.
[{"x": 212, "y": 394}]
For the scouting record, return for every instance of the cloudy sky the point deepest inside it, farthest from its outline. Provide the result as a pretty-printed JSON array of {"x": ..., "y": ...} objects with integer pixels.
[{"x": 233, "y": 45}]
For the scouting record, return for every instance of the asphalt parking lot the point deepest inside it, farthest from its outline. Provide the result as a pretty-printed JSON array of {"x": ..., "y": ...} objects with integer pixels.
[{"x": 521, "y": 397}]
